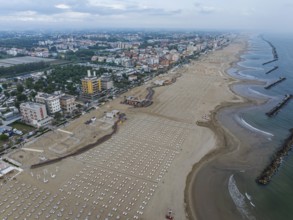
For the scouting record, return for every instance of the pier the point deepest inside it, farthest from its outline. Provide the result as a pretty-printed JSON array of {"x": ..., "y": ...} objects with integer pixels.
[
  {"x": 274, "y": 51},
  {"x": 271, "y": 61},
  {"x": 137, "y": 102},
  {"x": 275, "y": 83},
  {"x": 275, "y": 110},
  {"x": 275, "y": 68},
  {"x": 267, "y": 174}
]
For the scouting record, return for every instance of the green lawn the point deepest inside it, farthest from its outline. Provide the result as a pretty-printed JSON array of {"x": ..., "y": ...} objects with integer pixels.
[{"x": 22, "y": 127}]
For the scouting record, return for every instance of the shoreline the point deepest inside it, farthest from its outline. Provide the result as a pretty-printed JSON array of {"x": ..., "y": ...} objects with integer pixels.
[
  {"x": 209, "y": 67},
  {"x": 225, "y": 140},
  {"x": 225, "y": 186},
  {"x": 166, "y": 131}
]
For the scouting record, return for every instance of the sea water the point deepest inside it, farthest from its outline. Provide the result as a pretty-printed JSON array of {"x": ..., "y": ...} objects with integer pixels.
[
  {"x": 260, "y": 136},
  {"x": 274, "y": 200}
]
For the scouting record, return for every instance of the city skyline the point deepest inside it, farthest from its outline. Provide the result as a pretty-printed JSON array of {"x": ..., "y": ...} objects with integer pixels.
[{"x": 73, "y": 14}]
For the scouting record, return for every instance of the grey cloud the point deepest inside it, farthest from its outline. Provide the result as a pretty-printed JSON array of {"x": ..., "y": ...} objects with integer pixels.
[
  {"x": 45, "y": 7},
  {"x": 40, "y": 6},
  {"x": 203, "y": 9},
  {"x": 162, "y": 12},
  {"x": 131, "y": 8}
]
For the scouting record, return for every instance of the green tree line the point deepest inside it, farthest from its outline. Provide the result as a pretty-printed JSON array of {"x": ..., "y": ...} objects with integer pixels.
[{"x": 22, "y": 68}]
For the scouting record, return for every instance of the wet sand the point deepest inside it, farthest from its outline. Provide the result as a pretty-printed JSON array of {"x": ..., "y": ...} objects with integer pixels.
[{"x": 200, "y": 184}]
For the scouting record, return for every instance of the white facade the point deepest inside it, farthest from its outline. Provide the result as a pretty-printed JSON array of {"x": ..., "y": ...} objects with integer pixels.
[
  {"x": 53, "y": 105},
  {"x": 132, "y": 78},
  {"x": 107, "y": 83},
  {"x": 112, "y": 114},
  {"x": 52, "y": 102},
  {"x": 34, "y": 114},
  {"x": 159, "y": 82},
  {"x": 43, "y": 122},
  {"x": 12, "y": 52}
]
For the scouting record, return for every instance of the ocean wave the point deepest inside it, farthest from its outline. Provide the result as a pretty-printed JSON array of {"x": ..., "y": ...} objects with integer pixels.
[
  {"x": 250, "y": 127},
  {"x": 245, "y": 76},
  {"x": 248, "y": 196},
  {"x": 258, "y": 93},
  {"x": 239, "y": 199},
  {"x": 249, "y": 67}
]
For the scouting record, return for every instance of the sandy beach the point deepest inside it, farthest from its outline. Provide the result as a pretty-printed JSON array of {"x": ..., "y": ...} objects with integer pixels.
[
  {"x": 142, "y": 171},
  {"x": 225, "y": 140}
]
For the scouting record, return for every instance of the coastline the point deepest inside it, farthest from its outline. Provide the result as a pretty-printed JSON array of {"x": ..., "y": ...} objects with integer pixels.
[
  {"x": 225, "y": 186},
  {"x": 167, "y": 132},
  {"x": 226, "y": 141},
  {"x": 218, "y": 134}
]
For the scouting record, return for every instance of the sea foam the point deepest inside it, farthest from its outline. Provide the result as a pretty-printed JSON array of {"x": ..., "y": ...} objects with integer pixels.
[
  {"x": 245, "y": 76},
  {"x": 241, "y": 64},
  {"x": 250, "y": 127},
  {"x": 258, "y": 93},
  {"x": 239, "y": 199}
]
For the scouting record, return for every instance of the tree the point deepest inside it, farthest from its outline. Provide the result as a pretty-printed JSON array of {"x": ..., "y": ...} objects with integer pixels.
[
  {"x": 22, "y": 68},
  {"x": 13, "y": 93},
  {"x": 6, "y": 94},
  {"x": 53, "y": 49},
  {"x": 17, "y": 105},
  {"x": 58, "y": 116},
  {"x": 3, "y": 137},
  {"x": 125, "y": 76},
  {"x": 20, "y": 88},
  {"x": 21, "y": 97},
  {"x": 1, "y": 89},
  {"x": 5, "y": 86},
  {"x": 29, "y": 83}
]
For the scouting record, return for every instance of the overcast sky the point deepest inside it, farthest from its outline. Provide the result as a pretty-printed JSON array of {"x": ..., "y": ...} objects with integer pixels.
[{"x": 201, "y": 14}]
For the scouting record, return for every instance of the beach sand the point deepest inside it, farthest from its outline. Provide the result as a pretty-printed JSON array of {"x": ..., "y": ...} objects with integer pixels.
[
  {"x": 225, "y": 141},
  {"x": 194, "y": 99},
  {"x": 142, "y": 170}
]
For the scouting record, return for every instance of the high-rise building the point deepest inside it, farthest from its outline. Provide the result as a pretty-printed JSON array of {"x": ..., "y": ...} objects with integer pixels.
[
  {"x": 52, "y": 102},
  {"x": 91, "y": 86},
  {"x": 107, "y": 82},
  {"x": 34, "y": 114},
  {"x": 67, "y": 103}
]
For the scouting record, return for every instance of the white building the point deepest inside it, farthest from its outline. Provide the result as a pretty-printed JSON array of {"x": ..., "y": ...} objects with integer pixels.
[
  {"x": 52, "y": 102},
  {"x": 34, "y": 114},
  {"x": 159, "y": 82},
  {"x": 5, "y": 168},
  {"x": 12, "y": 52},
  {"x": 112, "y": 114},
  {"x": 153, "y": 60},
  {"x": 132, "y": 78},
  {"x": 107, "y": 82}
]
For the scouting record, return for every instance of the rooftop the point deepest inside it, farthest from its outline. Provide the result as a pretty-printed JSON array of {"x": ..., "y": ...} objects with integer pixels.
[
  {"x": 90, "y": 78},
  {"x": 46, "y": 95},
  {"x": 65, "y": 97},
  {"x": 31, "y": 105}
]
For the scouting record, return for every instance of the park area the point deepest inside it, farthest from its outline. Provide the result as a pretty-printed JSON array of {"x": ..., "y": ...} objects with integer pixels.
[{"x": 22, "y": 127}]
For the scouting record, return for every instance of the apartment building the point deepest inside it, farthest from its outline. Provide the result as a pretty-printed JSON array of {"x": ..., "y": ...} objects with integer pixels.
[
  {"x": 67, "y": 103},
  {"x": 107, "y": 82},
  {"x": 91, "y": 86},
  {"x": 52, "y": 102},
  {"x": 34, "y": 114}
]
